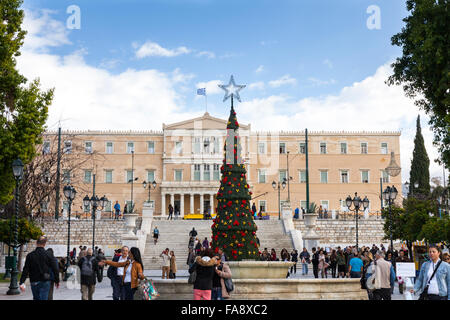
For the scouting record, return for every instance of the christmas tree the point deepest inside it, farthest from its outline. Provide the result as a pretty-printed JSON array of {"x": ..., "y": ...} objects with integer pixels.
[{"x": 234, "y": 230}]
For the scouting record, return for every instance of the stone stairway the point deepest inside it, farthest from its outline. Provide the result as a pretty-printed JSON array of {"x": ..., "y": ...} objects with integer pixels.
[
  {"x": 174, "y": 234},
  {"x": 108, "y": 233}
]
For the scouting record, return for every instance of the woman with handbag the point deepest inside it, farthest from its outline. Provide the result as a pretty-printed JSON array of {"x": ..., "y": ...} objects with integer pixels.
[
  {"x": 221, "y": 281},
  {"x": 204, "y": 269},
  {"x": 322, "y": 264},
  {"x": 133, "y": 271},
  {"x": 433, "y": 282}
]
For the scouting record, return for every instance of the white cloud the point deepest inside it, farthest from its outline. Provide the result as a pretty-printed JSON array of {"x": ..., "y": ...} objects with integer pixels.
[
  {"x": 317, "y": 82},
  {"x": 208, "y": 54},
  {"x": 259, "y": 69},
  {"x": 43, "y": 31},
  {"x": 284, "y": 80},
  {"x": 152, "y": 49},
  {"x": 89, "y": 97},
  {"x": 212, "y": 87},
  {"x": 256, "y": 85},
  {"x": 368, "y": 105}
]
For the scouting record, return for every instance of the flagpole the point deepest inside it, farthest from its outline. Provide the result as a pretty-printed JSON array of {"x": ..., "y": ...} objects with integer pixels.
[{"x": 206, "y": 102}]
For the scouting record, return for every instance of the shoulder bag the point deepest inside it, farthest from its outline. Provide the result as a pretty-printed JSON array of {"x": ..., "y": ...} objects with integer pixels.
[{"x": 424, "y": 294}]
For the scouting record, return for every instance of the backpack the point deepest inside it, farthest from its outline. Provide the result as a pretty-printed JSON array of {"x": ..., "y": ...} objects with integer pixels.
[{"x": 87, "y": 267}]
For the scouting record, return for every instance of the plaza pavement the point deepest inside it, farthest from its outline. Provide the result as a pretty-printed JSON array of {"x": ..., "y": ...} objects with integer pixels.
[{"x": 103, "y": 290}]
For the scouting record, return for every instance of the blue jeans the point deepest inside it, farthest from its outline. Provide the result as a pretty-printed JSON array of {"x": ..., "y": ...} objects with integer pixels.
[
  {"x": 116, "y": 283},
  {"x": 354, "y": 274},
  {"x": 40, "y": 290},
  {"x": 304, "y": 268},
  {"x": 127, "y": 294},
  {"x": 216, "y": 293}
]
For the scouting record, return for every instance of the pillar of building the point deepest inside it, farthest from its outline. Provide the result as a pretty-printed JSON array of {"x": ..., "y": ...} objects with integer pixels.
[
  {"x": 163, "y": 204},
  {"x": 181, "y": 205},
  {"x": 191, "y": 203},
  {"x": 202, "y": 209}
]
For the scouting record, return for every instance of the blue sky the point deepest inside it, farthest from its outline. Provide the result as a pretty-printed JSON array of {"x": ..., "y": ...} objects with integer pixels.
[
  {"x": 324, "y": 40},
  {"x": 136, "y": 64}
]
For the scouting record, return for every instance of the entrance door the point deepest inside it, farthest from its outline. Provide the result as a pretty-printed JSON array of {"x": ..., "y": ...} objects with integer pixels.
[
  {"x": 176, "y": 204},
  {"x": 207, "y": 206}
]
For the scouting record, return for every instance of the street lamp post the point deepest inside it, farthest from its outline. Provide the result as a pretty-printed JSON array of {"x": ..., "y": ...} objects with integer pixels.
[
  {"x": 357, "y": 204},
  {"x": 95, "y": 202},
  {"x": 69, "y": 193},
  {"x": 17, "y": 167},
  {"x": 390, "y": 193},
  {"x": 150, "y": 186},
  {"x": 275, "y": 186}
]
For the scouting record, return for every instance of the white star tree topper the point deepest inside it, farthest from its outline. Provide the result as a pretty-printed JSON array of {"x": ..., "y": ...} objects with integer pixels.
[{"x": 231, "y": 89}]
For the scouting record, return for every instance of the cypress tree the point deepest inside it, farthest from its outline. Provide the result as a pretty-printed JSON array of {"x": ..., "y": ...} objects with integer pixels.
[
  {"x": 420, "y": 165},
  {"x": 233, "y": 229}
]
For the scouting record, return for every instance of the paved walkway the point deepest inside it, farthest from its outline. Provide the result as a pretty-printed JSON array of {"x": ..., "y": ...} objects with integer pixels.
[{"x": 103, "y": 290}]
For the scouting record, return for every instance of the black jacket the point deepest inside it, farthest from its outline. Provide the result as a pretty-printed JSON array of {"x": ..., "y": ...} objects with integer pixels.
[
  {"x": 193, "y": 233},
  {"x": 112, "y": 271},
  {"x": 89, "y": 280},
  {"x": 205, "y": 273},
  {"x": 38, "y": 263}
]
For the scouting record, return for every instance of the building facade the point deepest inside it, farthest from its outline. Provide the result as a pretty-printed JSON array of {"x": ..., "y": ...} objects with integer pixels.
[{"x": 184, "y": 160}]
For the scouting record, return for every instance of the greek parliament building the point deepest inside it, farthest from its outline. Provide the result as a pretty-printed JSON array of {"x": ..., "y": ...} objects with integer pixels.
[{"x": 185, "y": 158}]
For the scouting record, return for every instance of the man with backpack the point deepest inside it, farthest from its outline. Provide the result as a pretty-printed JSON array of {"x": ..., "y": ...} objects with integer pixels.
[
  {"x": 89, "y": 271},
  {"x": 38, "y": 264}
]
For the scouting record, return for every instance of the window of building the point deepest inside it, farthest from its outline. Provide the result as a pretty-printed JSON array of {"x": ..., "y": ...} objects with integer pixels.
[
  {"x": 46, "y": 176},
  {"x": 323, "y": 147},
  {"x": 384, "y": 148},
  {"x": 303, "y": 204},
  {"x": 86, "y": 208},
  {"x": 206, "y": 144},
  {"x": 262, "y": 206},
  {"x": 261, "y": 147},
  {"x": 196, "y": 145},
  {"x": 67, "y": 147},
  {"x": 150, "y": 176},
  {"x": 66, "y": 176},
  {"x": 343, "y": 148},
  {"x": 130, "y": 147},
  {"x": 302, "y": 176},
  {"x": 151, "y": 147},
  {"x": 108, "y": 206},
  {"x": 216, "y": 174},
  {"x": 323, "y": 176},
  {"x": 282, "y": 147},
  {"x": 65, "y": 206},
  {"x": 302, "y": 147},
  {"x": 283, "y": 175},
  {"x": 206, "y": 172},
  {"x": 46, "y": 147},
  {"x": 324, "y": 204},
  {"x": 129, "y": 176},
  {"x": 88, "y": 146},
  {"x": 178, "y": 175},
  {"x": 87, "y": 176},
  {"x": 109, "y": 147},
  {"x": 261, "y": 176},
  {"x": 364, "y": 147},
  {"x": 108, "y": 176},
  {"x": 384, "y": 176},
  {"x": 178, "y": 147},
  {"x": 196, "y": 172},
  {"x": 364, "y": 176},
  {"x": 344, "y": 176}
]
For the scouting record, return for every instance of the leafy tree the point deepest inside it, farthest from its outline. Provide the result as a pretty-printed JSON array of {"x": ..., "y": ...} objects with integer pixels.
[
  {"x": 233, "y": 229},
  {"x": 23, "y": 107},
  {"x": 27, "y": 231},
  {"x": 436, "y": 230},
  {"x": 420, "y": 165},
  {"x": 424, "y": 68}
]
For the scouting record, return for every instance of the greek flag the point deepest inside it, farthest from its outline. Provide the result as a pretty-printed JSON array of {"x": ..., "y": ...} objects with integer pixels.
[{"x": 201, "y": 92}]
